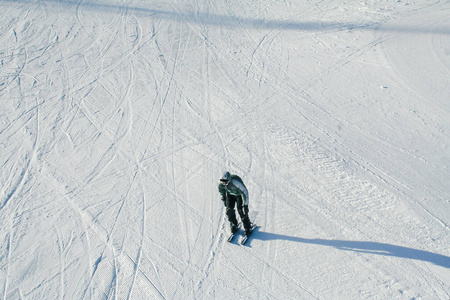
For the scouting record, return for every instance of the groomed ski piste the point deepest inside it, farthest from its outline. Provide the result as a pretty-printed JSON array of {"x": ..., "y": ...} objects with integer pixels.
[{"x": 117, "y": 119}]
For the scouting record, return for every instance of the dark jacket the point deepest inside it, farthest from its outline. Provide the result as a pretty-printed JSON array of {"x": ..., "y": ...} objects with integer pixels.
[{"x": 235, "y": 187}]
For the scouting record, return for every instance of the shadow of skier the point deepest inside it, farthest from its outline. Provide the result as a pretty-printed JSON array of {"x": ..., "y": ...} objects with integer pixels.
[{"x": 363, "y": 247}]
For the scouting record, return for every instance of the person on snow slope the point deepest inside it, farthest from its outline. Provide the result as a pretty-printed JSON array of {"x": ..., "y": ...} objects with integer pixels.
[{"x": 234, "y": 193}]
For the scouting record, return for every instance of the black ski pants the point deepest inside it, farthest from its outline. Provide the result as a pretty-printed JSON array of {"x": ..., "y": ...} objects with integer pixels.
[{"x": 230, "y": 203}]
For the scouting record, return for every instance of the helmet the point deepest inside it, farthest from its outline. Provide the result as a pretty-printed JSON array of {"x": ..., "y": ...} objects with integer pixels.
[{"x": 225, "y": 177}]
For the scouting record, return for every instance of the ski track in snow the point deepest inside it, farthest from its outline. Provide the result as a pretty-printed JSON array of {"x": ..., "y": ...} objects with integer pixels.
[{"x": 117, "y": 119}]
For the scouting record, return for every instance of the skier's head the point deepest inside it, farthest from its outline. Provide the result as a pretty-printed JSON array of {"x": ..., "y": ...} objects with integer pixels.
[{"x": 225, "y": 179}]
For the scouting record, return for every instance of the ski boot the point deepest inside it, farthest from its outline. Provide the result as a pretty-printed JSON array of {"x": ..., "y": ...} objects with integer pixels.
[{"x": 233, "y": 228}]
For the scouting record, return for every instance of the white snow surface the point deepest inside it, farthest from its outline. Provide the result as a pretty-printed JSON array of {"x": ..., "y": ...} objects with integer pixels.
[{"x": 117, "y": 119}]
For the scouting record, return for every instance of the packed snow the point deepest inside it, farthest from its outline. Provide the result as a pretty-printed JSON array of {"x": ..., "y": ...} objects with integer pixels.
[{"x": 117, "y": 119}]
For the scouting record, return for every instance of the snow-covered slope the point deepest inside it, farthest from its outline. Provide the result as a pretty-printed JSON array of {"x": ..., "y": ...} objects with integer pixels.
[{"x": 118, "y": 117}]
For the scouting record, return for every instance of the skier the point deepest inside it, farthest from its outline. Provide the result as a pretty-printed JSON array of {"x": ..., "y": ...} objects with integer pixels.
[{"x": 234, "y": 192}]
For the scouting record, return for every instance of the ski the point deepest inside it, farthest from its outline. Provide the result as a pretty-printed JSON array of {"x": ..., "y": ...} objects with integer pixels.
[
  {"x": 232, "y": 235},
  {"x": 245, "y": 239}
]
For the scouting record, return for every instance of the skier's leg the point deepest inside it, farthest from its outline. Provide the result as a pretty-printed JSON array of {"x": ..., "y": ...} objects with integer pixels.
[
  {"x": 243, "y": 213},
  {"x": 231, "y": 214}
]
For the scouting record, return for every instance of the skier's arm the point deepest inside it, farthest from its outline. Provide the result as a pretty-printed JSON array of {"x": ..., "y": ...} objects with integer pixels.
[
  {"x": 222, "y": 193},
  {"x": 244, "y": 192}
]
